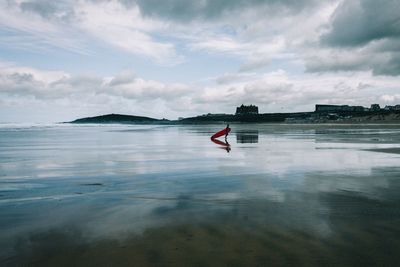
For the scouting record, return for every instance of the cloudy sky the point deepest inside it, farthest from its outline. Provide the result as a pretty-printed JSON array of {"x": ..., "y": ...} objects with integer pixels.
[{"x": 61, "y": 60}]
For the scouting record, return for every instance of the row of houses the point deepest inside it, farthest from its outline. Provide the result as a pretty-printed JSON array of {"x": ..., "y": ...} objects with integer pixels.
[
  {"x": 347, "y": 108},
  {"x": 322, "y": 109},
  {"x": 252, "y": 109},
  {"x": 392, "y": 108},
  {"x": 338, "y": 108}
]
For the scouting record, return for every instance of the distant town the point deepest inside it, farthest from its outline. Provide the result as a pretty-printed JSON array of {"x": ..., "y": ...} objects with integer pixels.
[
  {"x": 322, "y": 113},
  {"x": 340, "y": 108},
  {"x": 250, "y": 113}
]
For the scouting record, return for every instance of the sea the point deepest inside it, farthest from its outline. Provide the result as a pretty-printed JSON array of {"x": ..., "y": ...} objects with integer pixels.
[{"x": 167, "y": 195}]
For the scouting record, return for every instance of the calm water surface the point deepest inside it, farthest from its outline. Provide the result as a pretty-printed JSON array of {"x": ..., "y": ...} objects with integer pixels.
[{"x": 300, "y": 195}]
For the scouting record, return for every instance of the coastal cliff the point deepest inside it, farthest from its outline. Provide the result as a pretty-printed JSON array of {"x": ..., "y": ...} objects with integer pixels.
[
  {"x": 117, "y": 118},
  {"x": 322, "y": 114}
]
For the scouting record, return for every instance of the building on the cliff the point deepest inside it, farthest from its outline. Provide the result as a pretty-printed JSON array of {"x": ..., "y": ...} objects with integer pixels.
[
  {"x": 392, "y": 108},
  {"x": 245, "y": 110},
  {"x": 388, "y": 108},
  {"x": 375, "y": 107},
  {"x": 338, "y": 108}
]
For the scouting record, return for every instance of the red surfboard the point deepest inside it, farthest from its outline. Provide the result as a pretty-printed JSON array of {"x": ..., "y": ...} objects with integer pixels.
[
  {"x": 221, "y": 133},
  {"x": 221, "y": 143}
]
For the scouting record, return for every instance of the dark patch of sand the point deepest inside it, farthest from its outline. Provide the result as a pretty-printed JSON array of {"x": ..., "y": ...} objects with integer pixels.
[
  {"x": 392, "y": 150},
  {"x": 228, "y": 244}
]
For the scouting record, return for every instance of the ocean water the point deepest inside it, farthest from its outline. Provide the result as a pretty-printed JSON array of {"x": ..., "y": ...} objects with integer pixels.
[{"x": 148, "y": 195}]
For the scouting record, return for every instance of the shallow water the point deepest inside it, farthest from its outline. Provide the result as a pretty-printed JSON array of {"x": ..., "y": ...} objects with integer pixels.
[{"x": 92, "y": 195}]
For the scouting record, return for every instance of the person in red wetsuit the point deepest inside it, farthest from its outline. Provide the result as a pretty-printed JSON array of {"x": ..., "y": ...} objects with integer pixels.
[
  {"x": 223, "y": 132},
  {"x": 227, "y": 131}
]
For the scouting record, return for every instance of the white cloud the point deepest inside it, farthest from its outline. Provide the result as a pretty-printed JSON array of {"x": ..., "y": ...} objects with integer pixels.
[
  {"x": 107, "y": 21},
  {"x": 391, "y": 99},
  {"x": 280, "y": 91},
  {"x": 31, "y": 32},
  {"x": 56, "y": 84},
  {"x": 233, "y": 77},
  {"x": 270, "y": 43},
  {"x": 255, "y": 32},
  {"x": 127, "y": 93},
  {"x": 124, "y": 28},
  {"x": 120, "y": 93}
]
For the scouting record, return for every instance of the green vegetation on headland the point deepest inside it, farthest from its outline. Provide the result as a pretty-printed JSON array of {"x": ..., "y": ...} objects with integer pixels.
[
  {"x": 249, "y": 114},
  {"x": 117, "y": 118}
]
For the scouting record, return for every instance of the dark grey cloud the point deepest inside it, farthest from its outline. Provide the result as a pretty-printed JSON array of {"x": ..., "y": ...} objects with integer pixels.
[
  {"x": 358, "y": 22},
  {"x": 339, "y": 60},
  {"x": 380, "y": 63},
  {"x": 179, "y": 10},
  {"x": 62, "y": 10},
  {"x": 391, "y": 66},
  {"x": 183, "y": 10},
  {"x": 45, "y": 9},
  {"x": 18, "y": 83},
  {"x": 363, "y": 35}
]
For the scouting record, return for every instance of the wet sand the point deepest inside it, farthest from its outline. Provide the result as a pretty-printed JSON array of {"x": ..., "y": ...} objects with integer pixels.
[
  {"x": 248, "y": 235},
  {"x": 283, "y": 195},
  {"x": 393, "y": 150}
]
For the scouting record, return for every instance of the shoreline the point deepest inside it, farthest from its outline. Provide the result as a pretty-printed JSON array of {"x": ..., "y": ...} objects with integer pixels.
[{"x": 381, "y": 117}]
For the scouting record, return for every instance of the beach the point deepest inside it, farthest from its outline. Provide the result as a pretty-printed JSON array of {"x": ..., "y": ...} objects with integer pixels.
[{"x": 165, "y": 195}]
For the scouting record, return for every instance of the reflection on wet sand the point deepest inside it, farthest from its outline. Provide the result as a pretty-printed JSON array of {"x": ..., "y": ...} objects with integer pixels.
[
  {"x": 251, "y": 234},
  {"x": 250, "y": 136},
  {"x": 303, "y": 195},
  {"x": 323, "y": 223},
  {"x": 224, "y": 145},
  {"x": 394, "y": 150}
]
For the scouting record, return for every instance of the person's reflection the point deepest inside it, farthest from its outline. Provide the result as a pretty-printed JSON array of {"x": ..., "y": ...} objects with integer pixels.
[{"x": 224, "y": 145}]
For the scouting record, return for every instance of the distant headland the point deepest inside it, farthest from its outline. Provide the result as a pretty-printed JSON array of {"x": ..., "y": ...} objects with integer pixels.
[
  {"x": 116, "y": 118},
  {"x": 250, "y": 114}
]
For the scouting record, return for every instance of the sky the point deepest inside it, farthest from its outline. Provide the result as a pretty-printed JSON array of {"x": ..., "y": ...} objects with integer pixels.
[{"x": 66, "y": 59}]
